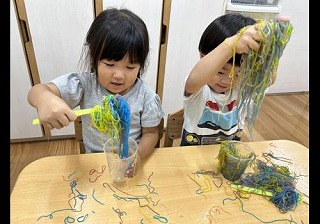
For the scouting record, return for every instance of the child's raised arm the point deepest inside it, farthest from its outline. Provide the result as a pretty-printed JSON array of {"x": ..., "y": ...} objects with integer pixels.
[{"x": 209, "y": 65}]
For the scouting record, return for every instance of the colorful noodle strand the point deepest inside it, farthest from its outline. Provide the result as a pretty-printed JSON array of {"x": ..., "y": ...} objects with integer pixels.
[
  {"x": 275, "y": 179},
  {"x": 257, "y": 68},
  {"x": 112, "y": 118}
]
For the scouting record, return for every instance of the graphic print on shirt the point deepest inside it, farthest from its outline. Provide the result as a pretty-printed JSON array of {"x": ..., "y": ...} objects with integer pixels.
[
  {"x": 226, "y": 117},
  {"x": 212, "y": 118}
]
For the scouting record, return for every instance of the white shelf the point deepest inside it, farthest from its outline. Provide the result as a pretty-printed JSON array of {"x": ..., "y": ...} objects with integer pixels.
[{"x": 253, "y": 8}]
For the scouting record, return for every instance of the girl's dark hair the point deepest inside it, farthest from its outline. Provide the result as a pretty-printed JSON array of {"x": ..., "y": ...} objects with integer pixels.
[
  {"x": 115, "y": 33},
  {"x": 219, "y": 29}
]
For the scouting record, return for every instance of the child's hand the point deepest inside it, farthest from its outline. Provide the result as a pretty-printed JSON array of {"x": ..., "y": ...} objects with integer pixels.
[
  {"x": 248, "y": 37},
  {"x": 55, "y": 113},
  {"x": 132, "y": 170},
  {"x": 283, "y": 18}
]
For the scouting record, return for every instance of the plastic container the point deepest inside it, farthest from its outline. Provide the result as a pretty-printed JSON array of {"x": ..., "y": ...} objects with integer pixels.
[{"x": 234, "y": 158}]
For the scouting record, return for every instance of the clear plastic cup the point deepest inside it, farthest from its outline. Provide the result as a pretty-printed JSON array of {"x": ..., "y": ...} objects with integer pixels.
[
  {"x": 118, "y": 166},
  {"x": 234, "y": 158}
]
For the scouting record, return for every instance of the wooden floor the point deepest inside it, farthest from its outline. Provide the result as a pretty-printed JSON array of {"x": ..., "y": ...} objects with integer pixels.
[{"x": 282, "y": 116}]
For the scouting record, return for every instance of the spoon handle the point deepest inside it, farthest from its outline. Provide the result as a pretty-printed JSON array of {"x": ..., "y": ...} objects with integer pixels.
[{"x": 77, "y": 112}]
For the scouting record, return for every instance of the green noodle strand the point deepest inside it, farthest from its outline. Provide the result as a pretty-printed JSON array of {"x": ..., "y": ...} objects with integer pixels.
[
  {"x": 112, "y": 118},
  {"x": 257, "y": 68}
]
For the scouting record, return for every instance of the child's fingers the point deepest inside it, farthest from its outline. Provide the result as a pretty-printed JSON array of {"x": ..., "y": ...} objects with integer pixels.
[
  {"x": 132, "y": 170},
  {"x": 49, "y": 126},
  {"x": 283, "y": 18},
  {"x": 129, "y": 172},
  {"x": 248, "y": 37},
  {"x": 254, "y": 45},
  {"x": 254, "y": 37}
]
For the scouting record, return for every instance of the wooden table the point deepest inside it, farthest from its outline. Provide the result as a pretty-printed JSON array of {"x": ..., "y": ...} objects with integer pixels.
[{"x": 166, "y": 189}]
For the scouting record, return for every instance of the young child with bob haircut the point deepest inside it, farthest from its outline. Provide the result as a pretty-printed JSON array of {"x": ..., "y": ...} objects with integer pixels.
[{"x": 114, "y": 56}]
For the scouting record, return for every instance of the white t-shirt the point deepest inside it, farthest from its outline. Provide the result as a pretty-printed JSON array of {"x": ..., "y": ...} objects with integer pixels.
[{"x": 210, "y": 117}]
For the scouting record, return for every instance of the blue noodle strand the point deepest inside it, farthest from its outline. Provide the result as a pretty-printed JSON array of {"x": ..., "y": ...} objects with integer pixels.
[
  {"x": 258, "y": 68},
  {"x": 112, "y": 118}
]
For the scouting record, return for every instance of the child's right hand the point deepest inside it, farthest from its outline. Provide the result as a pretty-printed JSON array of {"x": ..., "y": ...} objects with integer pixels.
[
  {"x": 53, "y": 112},
  {"x": 249, "y": 37},
  {"x": 246, "y": 38}
]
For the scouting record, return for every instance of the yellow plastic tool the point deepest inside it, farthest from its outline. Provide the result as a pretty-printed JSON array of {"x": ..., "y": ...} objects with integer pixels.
[
  {"x": 251, "y": 190},
  {"x": 78, "y": 113}
]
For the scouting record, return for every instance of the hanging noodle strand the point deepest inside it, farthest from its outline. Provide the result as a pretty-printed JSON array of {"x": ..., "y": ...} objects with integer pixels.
[
  {"x": 257, "y": 68},
  {"x": 112, "y": 118}
]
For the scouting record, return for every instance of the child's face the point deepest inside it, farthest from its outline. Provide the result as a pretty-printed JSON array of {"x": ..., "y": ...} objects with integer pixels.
[
  {"x": 118, "y": 77},
  {"x": 222, "y": 82}
]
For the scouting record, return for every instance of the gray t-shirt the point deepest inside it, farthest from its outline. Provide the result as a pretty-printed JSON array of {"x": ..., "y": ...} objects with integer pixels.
[{"x": 83, "y": 89}]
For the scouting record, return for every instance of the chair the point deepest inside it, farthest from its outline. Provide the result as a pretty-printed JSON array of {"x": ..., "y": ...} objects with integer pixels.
[
  {"x": 160, "y": 132},
  {"x": 173, "y": 128},
  {"x": 78, "y": 132},
  {"x": 79, "y": 138}
]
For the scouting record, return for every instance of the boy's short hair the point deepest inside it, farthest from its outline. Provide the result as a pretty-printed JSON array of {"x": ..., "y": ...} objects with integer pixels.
[{"x": 221, "y": 28}]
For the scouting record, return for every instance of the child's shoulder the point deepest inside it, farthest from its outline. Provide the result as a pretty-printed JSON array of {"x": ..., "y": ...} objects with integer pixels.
[
  {"x": 87, "y": 77},
  {"x": 142, "y": 85},
  {"x": 143, "y": 90}
]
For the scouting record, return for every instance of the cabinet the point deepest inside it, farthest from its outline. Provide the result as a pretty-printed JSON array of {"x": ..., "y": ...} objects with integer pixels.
[
  {"x": 57, "y": 29},
  {"x": 53, "y": 36},
  {"x": 21, "y": 114}
]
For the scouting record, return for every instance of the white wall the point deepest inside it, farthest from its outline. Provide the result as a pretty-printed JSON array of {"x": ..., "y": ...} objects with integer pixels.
[
  {"x": 188, "y": 19},
  {"x": 293, "y": 70},
  {"x": 293, "y": 73}
]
